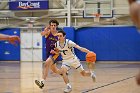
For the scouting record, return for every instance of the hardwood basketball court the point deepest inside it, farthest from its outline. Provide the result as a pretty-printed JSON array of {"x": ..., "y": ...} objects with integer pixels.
[{"x": 117, "y": 77}]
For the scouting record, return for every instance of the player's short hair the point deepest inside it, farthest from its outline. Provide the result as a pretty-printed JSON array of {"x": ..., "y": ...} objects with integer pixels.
[
  {"x": 61, "y": 31},
  {"x": 53, "y": 21}
]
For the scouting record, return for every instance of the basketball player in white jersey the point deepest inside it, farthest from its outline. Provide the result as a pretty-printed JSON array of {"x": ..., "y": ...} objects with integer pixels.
[
  {"x": 135, "y": 12},
  {"x": 66, "y": 48}
]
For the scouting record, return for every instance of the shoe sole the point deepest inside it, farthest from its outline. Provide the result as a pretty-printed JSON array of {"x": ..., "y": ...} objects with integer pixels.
[
  {"x": 94, "y": 79},
  {"x": 67, "y": 92}
]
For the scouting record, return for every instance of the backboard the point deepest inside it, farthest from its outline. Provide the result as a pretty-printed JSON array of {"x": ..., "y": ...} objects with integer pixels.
[{"x": 103, "y": 7}]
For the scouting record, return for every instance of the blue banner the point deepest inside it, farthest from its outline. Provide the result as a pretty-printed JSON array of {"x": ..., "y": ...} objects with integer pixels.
[{"x": 28, "y": 5}]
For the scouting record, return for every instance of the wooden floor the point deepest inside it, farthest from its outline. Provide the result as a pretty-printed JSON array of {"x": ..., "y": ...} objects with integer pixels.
[{"x": 18, "y": 77}]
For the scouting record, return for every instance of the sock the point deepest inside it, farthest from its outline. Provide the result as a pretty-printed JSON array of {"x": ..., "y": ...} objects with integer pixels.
[
  {"x": 91, "y": 71},
  {"x": 43, "y": 81},
  {"x": 68, "y": 84}
]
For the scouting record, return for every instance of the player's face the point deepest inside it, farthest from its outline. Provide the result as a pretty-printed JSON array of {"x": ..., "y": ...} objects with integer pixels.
[
  {"x": 61, "y": 38},
  {"x": 53, "y": 26}
]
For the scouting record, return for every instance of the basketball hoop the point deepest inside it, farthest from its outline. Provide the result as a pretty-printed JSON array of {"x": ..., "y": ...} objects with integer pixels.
[{"x": 97, "y": 17}]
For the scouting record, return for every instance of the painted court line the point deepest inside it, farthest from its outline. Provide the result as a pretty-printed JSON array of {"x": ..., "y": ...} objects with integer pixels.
[{"x": 108, "y": 84}]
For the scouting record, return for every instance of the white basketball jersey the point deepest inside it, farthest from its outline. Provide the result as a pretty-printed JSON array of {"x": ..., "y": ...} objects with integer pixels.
[{"x": 67, "y": 50}]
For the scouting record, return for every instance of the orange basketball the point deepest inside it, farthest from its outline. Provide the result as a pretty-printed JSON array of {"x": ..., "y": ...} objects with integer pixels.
[{"x": 90, "y": 57}]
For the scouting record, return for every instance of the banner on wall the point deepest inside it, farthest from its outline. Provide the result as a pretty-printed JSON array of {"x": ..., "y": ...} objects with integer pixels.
[{"x": 28, "y": 4}]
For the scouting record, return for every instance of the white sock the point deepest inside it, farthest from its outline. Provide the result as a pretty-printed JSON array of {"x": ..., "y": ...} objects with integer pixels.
[
  {"x": 43, "y": 81},
  {"x": 92, "y": 73},
  {"x": 68, "y": 84}
]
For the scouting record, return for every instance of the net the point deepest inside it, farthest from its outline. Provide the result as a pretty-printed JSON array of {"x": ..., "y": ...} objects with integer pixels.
[{"x": 97, "y": 17}]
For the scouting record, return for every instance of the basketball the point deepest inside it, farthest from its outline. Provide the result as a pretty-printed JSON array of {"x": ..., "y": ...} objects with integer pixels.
[{"x": 90, "y": 57}]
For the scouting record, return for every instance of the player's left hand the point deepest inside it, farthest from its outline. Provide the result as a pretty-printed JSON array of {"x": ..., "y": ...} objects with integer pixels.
[
  {"x": 52, "y": 52},
  {"x": 55, "y": 51},
  {"x": 13, "y": 39}
]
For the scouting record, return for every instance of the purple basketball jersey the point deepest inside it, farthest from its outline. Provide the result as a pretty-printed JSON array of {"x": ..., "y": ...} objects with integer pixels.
[{"x": 50, "y": 43}]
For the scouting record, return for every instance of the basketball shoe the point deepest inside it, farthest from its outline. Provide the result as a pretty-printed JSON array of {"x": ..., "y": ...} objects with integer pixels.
[
  {"x": 93, "y": 76},
  {"x": 39, "y": 83},
  {"x": 68, "y": 89}
]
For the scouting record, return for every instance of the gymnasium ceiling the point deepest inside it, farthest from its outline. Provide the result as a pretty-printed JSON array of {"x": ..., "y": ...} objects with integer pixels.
[{"x": 57, "y": 10}]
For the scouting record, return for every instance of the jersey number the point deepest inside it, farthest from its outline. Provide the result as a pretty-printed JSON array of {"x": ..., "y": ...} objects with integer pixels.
[{"x": 64, "y": 52}]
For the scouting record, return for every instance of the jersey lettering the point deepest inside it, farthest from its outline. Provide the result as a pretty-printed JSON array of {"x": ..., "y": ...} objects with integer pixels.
[{"x": 64, "y": 51}]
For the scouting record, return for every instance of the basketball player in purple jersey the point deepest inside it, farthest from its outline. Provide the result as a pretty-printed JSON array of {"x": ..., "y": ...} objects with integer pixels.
[
  {"x": 135, "y": 16},
  {"x": 50, "y": 34}
]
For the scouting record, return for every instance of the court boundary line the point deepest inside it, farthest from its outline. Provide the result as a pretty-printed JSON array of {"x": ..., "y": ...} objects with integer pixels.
[{"x": 108, "y": 84}]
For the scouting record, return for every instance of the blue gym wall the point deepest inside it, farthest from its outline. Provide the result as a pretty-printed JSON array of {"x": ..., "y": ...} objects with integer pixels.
[
  {"x": 9, "y": 52},
  {"x": 110, "y": 43}
]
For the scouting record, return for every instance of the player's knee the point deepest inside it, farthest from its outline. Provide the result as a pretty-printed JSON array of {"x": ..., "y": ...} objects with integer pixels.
[
  {"x": 60, "y": 71},
  {"x": 46, "y": 64},
  {"x": 63, "y": 71},
  {"x": 54, "y": 68}
]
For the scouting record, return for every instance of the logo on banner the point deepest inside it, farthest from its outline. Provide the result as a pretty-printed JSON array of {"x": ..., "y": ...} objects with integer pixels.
[{"x": 29, "y": 5}]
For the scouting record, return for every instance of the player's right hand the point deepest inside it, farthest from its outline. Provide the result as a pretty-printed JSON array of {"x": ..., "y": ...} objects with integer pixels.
[
  {"x": 47, "y": 28},
  {"x": 45, "y": 31}
]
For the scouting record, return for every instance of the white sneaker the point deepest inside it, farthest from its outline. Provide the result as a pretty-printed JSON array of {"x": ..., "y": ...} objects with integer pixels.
[
  {"x": 68, "y": 89},
  {"x": 93, "y": 77}
]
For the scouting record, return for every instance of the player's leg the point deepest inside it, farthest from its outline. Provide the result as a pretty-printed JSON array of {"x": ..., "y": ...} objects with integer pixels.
[
  {"x": 48, "y": 64},
  {"x": 76, "y": 64},
  {"x": 64, "y": 69},
  {"x": 46, "y": 67},
  {"x": 90, "y": 61},
  {"x": 53, "y": 66},
  {"x": 91, "y": 67},
  {"x": 135, "y": 14},
  {"x": 87, "y": 73},
  {"x": 44, "y": 73}
]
